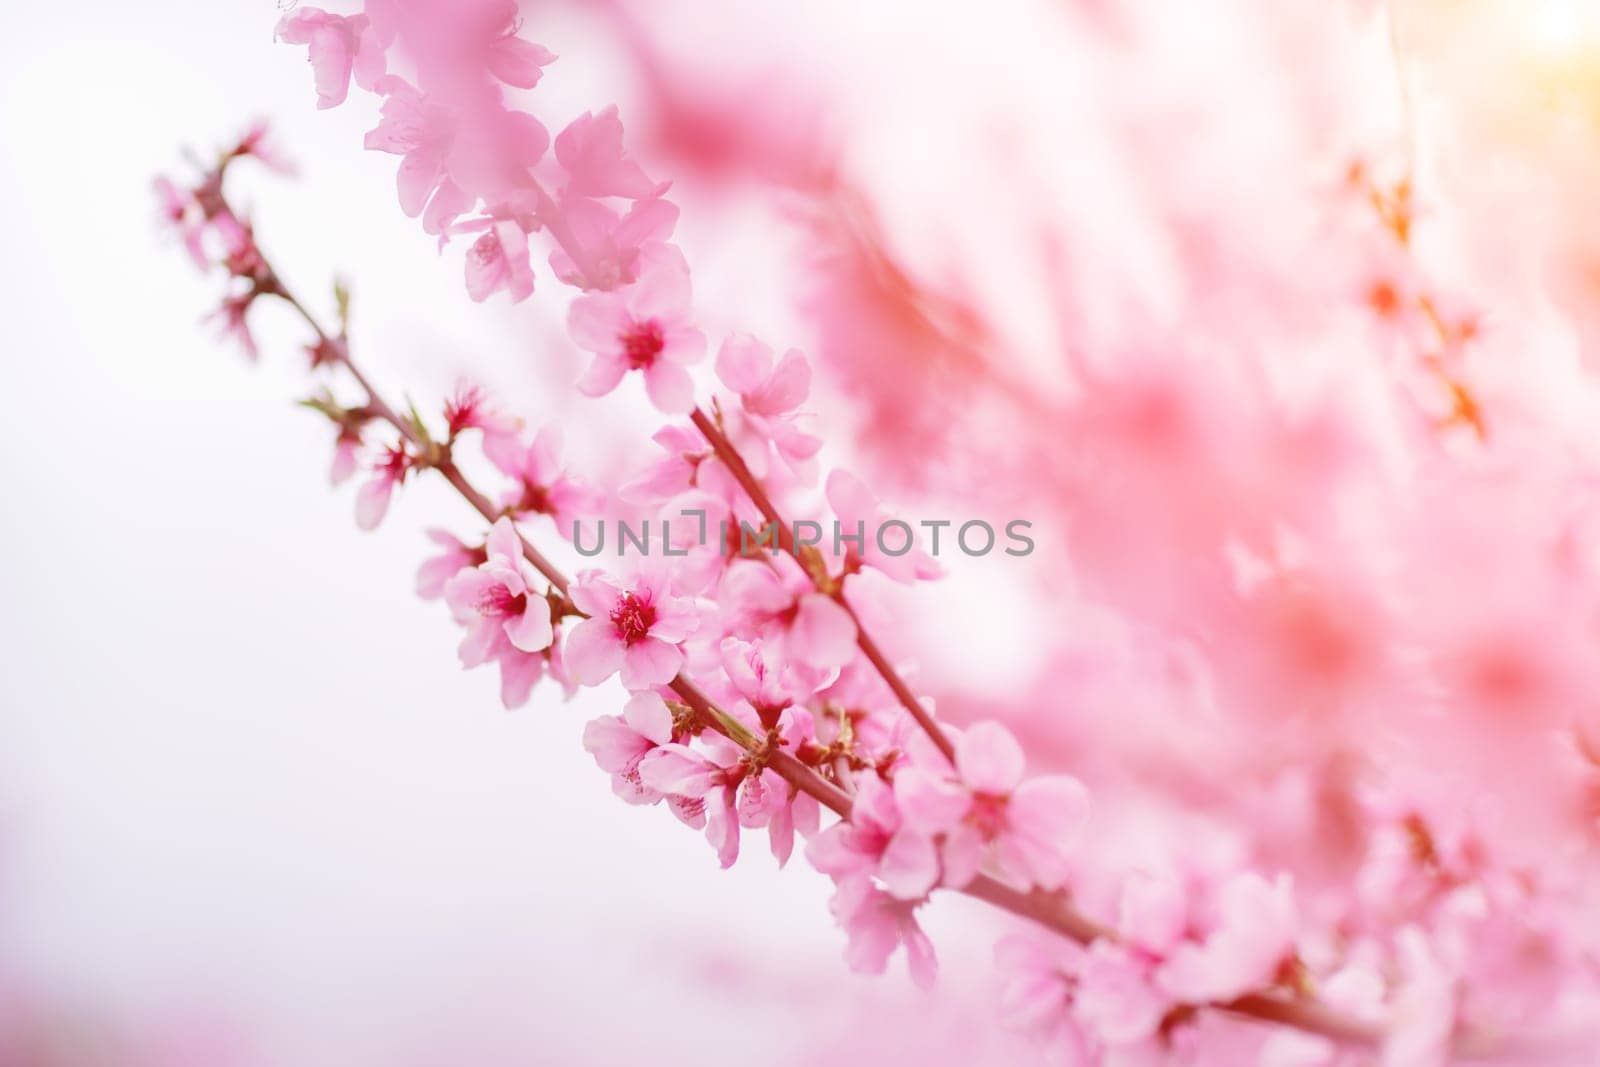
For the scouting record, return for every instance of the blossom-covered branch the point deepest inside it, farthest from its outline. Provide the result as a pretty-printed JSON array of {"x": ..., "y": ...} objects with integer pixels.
[{"x": 755, "y": 695}]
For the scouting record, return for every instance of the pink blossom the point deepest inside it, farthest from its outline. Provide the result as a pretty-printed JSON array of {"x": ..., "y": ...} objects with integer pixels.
[
  {"x": 372, "y": 500},
  {"x": 769, "y": 397},
  {"x": 769, "y": 690},
  {"x": 338, "y": 47},
  {"x": 1028, "y": 826},
  {"x": 711, "y": 787},
  {"x": 456, "y": 42},
  {"x": 590, "y": 152},
  {"x": 456, "y": 557},
  {"x": 496, "y": 598},
  {"x": 765, "y": 799},
  {"x": 687, "y": 455},
  {"x": 470, "y": 409},
  {"x": 181, "y": 212},
  {"x": 619, "y": 743},
  {"x": 543, "y": 485},
  {"x": 418, "y": 131},
  {"x": 234, "y": 315},
  {"x": 603, "y": 250},
  {"x": 1038, "y": 980},
  {"x": 693, "y": 523},
  {"x": 239, "y": 252},
  {"x": 257, "y": 144},
  {"x": 873, "y": 841},
  {"x": 1116, "y": 998},
  {"x": 858, "y": 510},
  {"x": 877, "y": 924},
  {"x": 778, "y": 604},
  {"x": 517, "y": 62},
  {"x": 638, "y": 630},
  {"x": 645, "y": 327},
  {"x": 498, "y": 259},
  {"x": 1251, "y": 939}
]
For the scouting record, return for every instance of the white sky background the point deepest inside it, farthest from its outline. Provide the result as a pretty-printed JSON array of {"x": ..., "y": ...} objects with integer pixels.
[{"x": 241, "y": 775}]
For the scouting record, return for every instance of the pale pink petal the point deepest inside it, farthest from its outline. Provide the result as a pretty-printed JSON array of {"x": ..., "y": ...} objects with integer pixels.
[
  {"x": 649, "y": 716},
  {"x": 503, "y": 542},
  {"x": 910, "y": 865},
  {"x": 420, "y": 173},
  {"x": 676, "y": 619},
  {"x": 466, "y": 591},
  {"x": 372, "y": 502},
  {"x": 832, "y": 852},
  {"x": 743, "y": 363},
  {"x": 518, "y": 62},
  {"x": 1044, "y": 818},
  {"x": 590, "y": 150},
  {"x": 669, "y": 387},
  {"x": 532, "y": 631},
  {"x": 662, "y": 291},
  {"x": 518, "y": 673},
  {"x": 1115, "y": 998},
  {"x": 592, "y": 652},
  {"x": 370, "y": 59},
  {"x": 927, "y": 802},
  {"x": 650, "y": 662},
  {"x": 921, "y": 960},
  {"x": 822, "y": 635},
  {"x": 594, "y": 594},
  {"x": 485, "y": 267},
  {"x": 614, "y": 744},
  {"x": 479, "y": 641},
  {"x": 602, "y": 376},
  {"x": 682, "y": 344},
  {"x": 1255, "y": 936},
  {"x": 786, "y": 388},
  {"x": 680, "y": 771},
  {"x": 345, "y": 455},
  {"x": 989, "y": 759},
  {"x": 596, "y": 321},
  {"x": 722, "y": 829},
  {"x": 445, "y": 206},
  {"x": 962, "y": 854}
]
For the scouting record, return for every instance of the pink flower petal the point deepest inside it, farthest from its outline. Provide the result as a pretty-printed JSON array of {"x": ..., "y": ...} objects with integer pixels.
[
  {"x": 989, "y": 759},
  {"x": 532, "y": 631},
  {"x": 592, "y": 652},
  {"x": 650, "y": 662}
]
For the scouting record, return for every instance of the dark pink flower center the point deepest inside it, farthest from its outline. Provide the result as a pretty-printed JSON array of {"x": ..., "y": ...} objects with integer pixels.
[
  {"x": 633, "y": 618},
  {"x": 485, "y": 251},
  {"x": 642, "y": 344},
  {"x": 498, "y": 602},
  {"x": 535, "y": 498},
  {"x": 988, "y": 814}
]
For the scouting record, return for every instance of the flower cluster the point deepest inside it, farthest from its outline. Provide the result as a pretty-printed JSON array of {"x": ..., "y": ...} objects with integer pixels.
[{"x": 756, "y": 696}]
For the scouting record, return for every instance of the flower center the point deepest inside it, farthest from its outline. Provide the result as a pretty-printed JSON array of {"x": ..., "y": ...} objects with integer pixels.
[
  {"x": 633, "y": 618},
  {"x": 498, "y": 602},
  {"x": 988, "y": 814},
  {"x": 642, "y": 344},
  {"x": 535, "y": 498}
]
